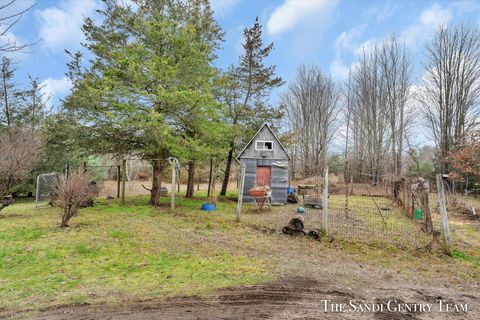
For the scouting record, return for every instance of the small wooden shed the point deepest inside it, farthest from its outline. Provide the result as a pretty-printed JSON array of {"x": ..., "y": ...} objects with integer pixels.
[{"x": 266, "y": 162}]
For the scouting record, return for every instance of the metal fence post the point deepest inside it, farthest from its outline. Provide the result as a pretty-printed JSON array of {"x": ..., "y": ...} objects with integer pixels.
[
  {"x": 325, "y": 202},
  {"x": 37, "y": 193},
  {"x": 443, "y": 215},
  {"x": 240, "y": 191}
]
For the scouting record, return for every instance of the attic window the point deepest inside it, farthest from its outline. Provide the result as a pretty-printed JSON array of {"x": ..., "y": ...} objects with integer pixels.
[{"x": 262, "y": 145}]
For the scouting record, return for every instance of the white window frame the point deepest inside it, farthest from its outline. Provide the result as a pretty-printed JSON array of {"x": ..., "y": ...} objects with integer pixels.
[{"x": 263, "y": 141}]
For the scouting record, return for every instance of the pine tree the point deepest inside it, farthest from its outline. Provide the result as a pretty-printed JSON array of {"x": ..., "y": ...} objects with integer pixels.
[
  {"x": 148, "y": 90},
  {"x": 34, "y": 108},
  {"x": 245, "y": 93}
]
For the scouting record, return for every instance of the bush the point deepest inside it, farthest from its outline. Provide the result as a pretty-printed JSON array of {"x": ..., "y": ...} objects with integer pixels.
[
  {"x": 19, "y": 154},
  {"x": 75, "y": 190}
]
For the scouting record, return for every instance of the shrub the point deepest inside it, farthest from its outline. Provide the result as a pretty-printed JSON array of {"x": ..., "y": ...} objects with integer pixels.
[
  {"x": 19, "y": 152},
  {"x": 75, "y": 190}
]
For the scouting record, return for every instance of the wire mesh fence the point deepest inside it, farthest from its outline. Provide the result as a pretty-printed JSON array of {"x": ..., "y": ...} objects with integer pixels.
[
  {"x": 139, "y": 176},
  {"x": 359, "y": 211},
  {"x": 45, "y": 189},
  {"x": 402, "y": 212}
]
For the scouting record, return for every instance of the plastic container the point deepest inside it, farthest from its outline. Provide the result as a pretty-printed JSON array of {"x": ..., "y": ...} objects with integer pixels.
[
  {"x": 418, "y": 214},
  {"x": 290, "y": 190},
  {"x": 208, "y": 206}
]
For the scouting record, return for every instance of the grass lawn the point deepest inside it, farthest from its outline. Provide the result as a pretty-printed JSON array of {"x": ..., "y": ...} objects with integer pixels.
[{"x": 112, "y": 253}]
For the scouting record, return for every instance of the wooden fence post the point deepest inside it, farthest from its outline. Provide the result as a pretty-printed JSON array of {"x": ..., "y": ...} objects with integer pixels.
[
  {"x": 347, "y": 186},
  {"x": 174, "y": 180},
  {"x": 124, "y": 177},
  {"x": 443, "y": 215},
  {"x": 240, "y": 191},
  {"x": 119, "y": 179},
  {"x": 325, "y": 202},
  {"x": 428, "y": 213}
]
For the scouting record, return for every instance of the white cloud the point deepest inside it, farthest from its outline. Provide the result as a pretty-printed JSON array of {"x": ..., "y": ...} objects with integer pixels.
[
  {"x": 339, "y": 70},
  {"x": 222, "y": 7},
  {"x": 60, "y": 26},
  {"x": 381, "y": 13},
  {"x": 291, "y": 12},
  {"x": 435, "y": 16},
  {"x": 55, "y": 88},
  {"x": 428, "y": 21},
  {"x": 367, "y": 47},
  {"x": 346, "y": 42}
]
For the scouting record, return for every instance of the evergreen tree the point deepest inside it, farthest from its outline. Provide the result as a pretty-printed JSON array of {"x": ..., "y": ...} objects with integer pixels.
[
  {"x": 148, "y": 90},
  {"x": 34, "y": 109},
  {"x": 245, "y": 94}
]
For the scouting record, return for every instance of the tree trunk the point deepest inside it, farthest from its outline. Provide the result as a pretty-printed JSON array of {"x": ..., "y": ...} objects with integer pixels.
[
  {"x": 155, "y": 191},
  {"x": 210, "y": 174},
  {"x": 191, "y": 179},
  {"x": 5, "y": 98},
  {"x": 178, "y": 181},
  {"x": 198, "y": 181},
  {"x": 223, "y": 192}
]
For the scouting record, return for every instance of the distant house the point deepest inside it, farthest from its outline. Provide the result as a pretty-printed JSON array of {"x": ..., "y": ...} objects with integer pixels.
[{"x": 266, "y": 162}]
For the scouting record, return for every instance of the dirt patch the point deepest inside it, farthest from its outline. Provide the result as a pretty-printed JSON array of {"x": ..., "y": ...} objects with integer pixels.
[{"x": 292, "y": 298}]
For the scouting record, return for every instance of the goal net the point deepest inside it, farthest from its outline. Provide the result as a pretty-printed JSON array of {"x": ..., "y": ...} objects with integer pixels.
[{"x": 46, "y": 189}]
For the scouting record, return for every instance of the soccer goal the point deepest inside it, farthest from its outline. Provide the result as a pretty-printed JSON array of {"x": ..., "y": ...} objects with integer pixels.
[{"x": 46, "y": 190}]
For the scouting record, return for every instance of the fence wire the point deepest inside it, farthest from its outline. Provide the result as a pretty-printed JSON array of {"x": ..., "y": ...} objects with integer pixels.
[
  {"x": 372, "y": 213},
  {"x": 401, "y": 212}
]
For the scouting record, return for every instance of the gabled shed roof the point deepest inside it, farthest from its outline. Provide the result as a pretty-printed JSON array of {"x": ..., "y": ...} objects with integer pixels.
[{"x": 256, "y": 134}]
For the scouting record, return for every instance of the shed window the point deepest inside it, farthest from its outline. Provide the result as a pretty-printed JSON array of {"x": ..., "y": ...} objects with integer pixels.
[{"x": 262, "y": 145}]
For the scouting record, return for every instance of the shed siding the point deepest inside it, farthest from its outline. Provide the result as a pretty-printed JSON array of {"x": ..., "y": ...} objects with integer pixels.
[
  {"x": 279, "y": 179},
  {"x": 250, "y": 177},
  {"x": 266, "y": 135},
  {"x": 279, "y": 184}
]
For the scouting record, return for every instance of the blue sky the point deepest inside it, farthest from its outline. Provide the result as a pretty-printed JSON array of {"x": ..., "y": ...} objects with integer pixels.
[{"x": 329, "y": 33}]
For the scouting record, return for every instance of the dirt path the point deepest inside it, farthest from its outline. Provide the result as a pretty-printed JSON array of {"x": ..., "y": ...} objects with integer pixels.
[{"x": 295, "y": 298}]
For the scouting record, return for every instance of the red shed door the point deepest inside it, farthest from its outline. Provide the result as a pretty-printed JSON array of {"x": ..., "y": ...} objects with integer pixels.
[{"x": 264, "y": 176}]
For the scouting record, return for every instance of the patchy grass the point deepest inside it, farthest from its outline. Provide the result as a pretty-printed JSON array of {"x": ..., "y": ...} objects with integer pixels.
[{"x": 112, "y": 253}]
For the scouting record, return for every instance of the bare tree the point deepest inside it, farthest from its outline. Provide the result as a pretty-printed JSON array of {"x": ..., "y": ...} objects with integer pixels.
[
  {"x": 450, "y": 88},
  {"x": 312, "y": 106},
  {"x": 19, "y": 154},
  {"x": 395, "y": 64},
  {"x": 368, "y": 116},
  {"x": 8, "y": 19},
  {"x": 377, "y": 97},
  {"x": 74, "y": 190}
]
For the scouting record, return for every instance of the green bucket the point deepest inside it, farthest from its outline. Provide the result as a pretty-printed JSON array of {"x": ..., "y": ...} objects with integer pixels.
[{"x": 418, "y": 214}]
